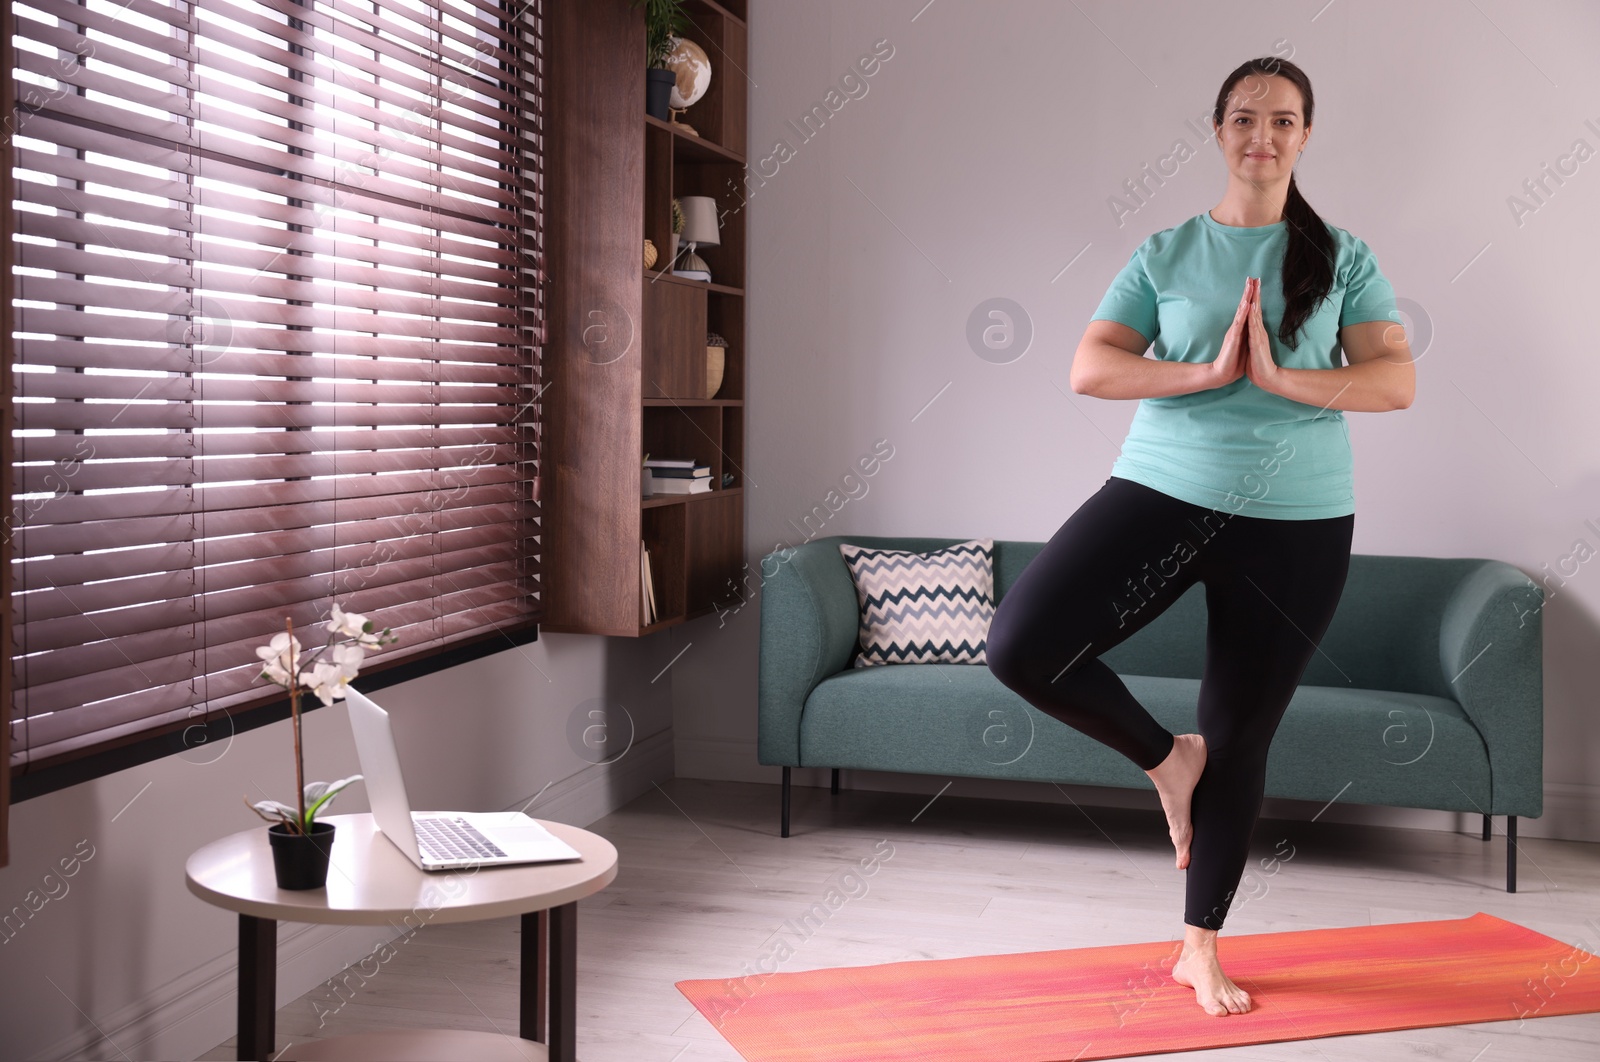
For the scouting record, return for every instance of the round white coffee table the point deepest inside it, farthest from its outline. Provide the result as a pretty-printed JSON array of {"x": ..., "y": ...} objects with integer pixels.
[{"x": 370, "y": 882}]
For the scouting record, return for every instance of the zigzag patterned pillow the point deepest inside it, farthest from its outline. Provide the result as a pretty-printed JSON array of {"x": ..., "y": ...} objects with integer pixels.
[{"x": 923, "y": 608}]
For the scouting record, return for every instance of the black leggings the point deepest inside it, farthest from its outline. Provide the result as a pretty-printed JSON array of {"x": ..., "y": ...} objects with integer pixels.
[{"x": 1117, "y": 563}]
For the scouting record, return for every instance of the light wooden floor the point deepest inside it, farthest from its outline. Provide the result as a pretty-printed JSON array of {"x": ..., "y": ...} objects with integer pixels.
[{"x": 705, "y": 882}]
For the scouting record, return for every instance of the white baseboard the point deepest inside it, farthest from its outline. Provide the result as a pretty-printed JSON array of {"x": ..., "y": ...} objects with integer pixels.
[
  {"x": 1571, "y": 812},
  {"x": 191, "y": 1014}
]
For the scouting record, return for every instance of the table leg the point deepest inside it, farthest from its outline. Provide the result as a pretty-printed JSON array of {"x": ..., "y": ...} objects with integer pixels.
[
  {"x": 258, "y": 986},
  {"x": 535, "y": 978},
  {"x": 564, "y": 982}
]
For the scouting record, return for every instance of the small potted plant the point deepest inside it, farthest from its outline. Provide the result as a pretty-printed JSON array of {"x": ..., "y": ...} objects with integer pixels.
[
  {"x": 302, "y": 845},
  {"x": 663, "y": 21}
]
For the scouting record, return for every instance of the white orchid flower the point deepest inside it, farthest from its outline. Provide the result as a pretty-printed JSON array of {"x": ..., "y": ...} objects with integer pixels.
[
  {"x": 348, "y": 624},
  {"x": 329, "y": 678},
  {"x": 347, "y": 658},
  {"x": 327, "y": 682},
  {"x": 351, "y": 625},
  {"x": 279, "y": 658},
  {"x": 357, "y": 627}
]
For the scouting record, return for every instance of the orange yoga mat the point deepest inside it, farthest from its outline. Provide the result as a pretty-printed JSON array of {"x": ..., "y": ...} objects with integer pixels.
[{"x": 1112, "y": 1002}]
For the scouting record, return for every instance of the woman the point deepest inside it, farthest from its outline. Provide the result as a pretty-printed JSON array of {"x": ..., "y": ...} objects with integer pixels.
[{"x": 1236, "y": 473}]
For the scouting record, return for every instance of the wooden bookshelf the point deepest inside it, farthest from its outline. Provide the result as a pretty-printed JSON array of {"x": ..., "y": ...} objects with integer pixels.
[{"x": 625, "y": 357}]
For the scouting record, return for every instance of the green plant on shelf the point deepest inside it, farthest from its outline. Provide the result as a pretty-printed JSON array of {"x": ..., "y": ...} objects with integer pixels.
[{"x": 663, "y": 21}]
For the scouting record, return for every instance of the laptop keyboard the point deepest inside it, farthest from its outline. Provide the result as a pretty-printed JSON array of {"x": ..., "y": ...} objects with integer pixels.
[{"x": 443, "y": 839}]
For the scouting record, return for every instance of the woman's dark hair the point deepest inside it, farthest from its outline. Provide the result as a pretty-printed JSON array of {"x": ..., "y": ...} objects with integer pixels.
[{"x": 1308, "y": 260}]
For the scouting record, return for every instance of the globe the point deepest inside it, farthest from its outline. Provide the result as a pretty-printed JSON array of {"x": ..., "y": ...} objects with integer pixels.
[{"x": 692, "y": 66}]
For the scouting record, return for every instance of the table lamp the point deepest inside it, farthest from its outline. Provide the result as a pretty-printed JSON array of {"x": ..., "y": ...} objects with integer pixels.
[{"x": 699, "y": 227}]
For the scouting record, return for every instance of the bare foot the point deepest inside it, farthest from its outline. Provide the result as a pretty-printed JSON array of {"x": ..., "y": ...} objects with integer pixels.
[
  {"x": 1175, "y": 780},
  {"x": 1213, "y": 990}
]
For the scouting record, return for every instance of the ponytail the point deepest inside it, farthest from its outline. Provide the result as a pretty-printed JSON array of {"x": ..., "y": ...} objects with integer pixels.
[{"x": 1307, "y": 265}]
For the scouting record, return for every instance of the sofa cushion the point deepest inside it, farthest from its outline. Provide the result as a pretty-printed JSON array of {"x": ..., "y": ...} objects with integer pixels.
[
  {"x": 922, "y": 608},
  {"x": 1356, "y": 746},
  {"x": 1365, "y": 746}
]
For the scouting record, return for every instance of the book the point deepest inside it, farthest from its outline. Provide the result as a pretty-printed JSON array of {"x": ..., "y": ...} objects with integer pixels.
[
  {"x": 647, "y": 593},
  {"x": 682, "y": 486},
  {"x": 697, "y": 472},
  {"x": 650, "y": 581}
]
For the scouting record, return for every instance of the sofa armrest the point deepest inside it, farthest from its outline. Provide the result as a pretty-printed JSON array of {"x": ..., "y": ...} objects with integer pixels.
[
  {"x": 810, "y": 622},
  {"x": 1491, "y": 646}
]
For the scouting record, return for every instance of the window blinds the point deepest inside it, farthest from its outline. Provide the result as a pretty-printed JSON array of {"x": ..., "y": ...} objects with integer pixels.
[{"x": 276, "y": 282}]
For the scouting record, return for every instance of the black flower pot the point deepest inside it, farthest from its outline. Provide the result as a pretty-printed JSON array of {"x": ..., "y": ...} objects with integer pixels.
[
  {"x": 658, "y": 92},
  {"x": 301, "y": 860}
]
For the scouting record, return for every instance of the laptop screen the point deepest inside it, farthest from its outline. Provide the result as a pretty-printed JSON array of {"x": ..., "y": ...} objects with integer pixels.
[{"x": 380, "y": 768}]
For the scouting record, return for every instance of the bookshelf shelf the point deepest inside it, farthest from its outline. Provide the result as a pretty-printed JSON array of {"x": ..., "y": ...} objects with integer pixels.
[
  {"x": 677, "y": 499},
  {"x": 653, "y": 276}
]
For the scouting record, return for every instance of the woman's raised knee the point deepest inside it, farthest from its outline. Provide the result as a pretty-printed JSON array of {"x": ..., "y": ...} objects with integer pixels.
[
  {"x": 1004, "y": 652},
  {"x": 1032, "y": 655}
]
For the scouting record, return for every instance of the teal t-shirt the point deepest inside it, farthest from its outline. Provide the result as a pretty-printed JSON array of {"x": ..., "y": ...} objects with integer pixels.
[{"x": 1239, "y": 448}]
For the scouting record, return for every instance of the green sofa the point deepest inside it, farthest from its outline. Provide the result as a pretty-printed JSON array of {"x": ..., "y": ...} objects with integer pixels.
[{"x": 1426, "y": 691}]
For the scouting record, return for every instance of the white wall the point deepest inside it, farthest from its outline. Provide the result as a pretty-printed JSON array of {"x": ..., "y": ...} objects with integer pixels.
[
  {"x": 988, "y": 152},
  {"x": 126, "y": 962}
]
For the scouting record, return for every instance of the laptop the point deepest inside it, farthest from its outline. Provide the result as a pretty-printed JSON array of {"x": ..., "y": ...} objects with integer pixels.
[{"x": 440, "y": 840}]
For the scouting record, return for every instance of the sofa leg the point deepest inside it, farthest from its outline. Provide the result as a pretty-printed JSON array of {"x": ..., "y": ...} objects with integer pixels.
[
  {"x": 836, "y": 781},
  {"x": 1486, "y": 827},
  {"x": 785, "y": 832},
  {"x": 1511, "y": 853}
]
